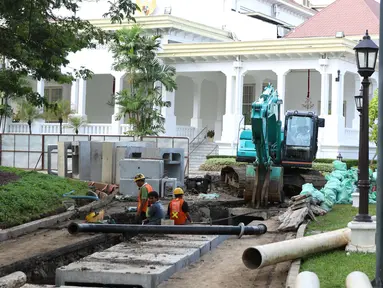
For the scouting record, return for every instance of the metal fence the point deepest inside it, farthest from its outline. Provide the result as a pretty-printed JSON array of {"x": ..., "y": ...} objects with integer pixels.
[{"x": 30, "y": 151}]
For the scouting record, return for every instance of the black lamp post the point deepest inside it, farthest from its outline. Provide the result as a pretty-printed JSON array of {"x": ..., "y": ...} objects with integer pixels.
[{"x": 366, "y": 55}]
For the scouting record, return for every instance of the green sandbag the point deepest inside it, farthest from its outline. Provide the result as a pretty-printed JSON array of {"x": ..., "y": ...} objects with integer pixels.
[
  {"x": 347, "y": 188},
  {"x": 327, "y": 205},
  {"x": 338, "y": 165},
  {"x": 340, "y": 175},
  {"x": 308, "y": 188},
  {"x": 329, "y": 194},
  {"x": 335, "y": 185}
]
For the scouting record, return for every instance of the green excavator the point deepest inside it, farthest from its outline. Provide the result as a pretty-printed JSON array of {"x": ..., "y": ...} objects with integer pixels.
[{"x": 279, "y": 160}]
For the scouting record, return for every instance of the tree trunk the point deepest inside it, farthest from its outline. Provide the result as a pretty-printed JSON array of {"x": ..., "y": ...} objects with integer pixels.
[
  {"x": 61, "y": 125},
  {"x": 5, "y": 124},
  {"x": 30, "y": 126},
  {"x": 76, "y": 131}
]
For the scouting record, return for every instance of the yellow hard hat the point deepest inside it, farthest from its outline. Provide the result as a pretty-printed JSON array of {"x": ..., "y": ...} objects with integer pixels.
[
  {"x": 138, "y": 177},
  {"x": 178, "y": 191}
]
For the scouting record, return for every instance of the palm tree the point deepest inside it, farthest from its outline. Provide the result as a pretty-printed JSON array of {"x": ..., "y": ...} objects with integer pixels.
[
  {"x": 60, "y": 110},
  {"x": 75, "y": 122},
  {"x": 28, "y": 112},
  {"x": 142, "y": 103}
]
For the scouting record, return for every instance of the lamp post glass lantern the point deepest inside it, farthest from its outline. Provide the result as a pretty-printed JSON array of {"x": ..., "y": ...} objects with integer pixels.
[
  {"x": 339, "y": 157},
  {"x": 366, "y": 55}
]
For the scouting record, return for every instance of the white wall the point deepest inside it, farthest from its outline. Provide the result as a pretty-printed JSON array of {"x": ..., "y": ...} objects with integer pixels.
[
  {"x": 98, "y": 92},
  {"x": 183, "y": 108},
  {"x": 266, "y": 8}
]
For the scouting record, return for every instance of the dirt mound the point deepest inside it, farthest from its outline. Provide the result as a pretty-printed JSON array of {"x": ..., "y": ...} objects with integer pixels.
[{"x": 7, "y": 177}]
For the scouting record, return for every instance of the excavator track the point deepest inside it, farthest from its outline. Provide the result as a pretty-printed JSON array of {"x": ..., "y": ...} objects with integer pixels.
[
  {"x": 235, "y": 178},
  {"x": 243, "y": 183}
]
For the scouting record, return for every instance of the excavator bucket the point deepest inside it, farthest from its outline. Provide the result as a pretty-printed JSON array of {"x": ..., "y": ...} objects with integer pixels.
[{"x": 263, "y": 186}]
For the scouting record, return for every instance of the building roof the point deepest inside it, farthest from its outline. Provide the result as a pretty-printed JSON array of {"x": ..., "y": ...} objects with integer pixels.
[
  {"x": 266, "y": 49},
  {"x": 352, "y": 17},
  {"x": 156, "y": 23}
]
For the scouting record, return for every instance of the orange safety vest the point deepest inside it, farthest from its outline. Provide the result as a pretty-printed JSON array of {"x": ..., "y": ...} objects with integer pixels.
[
  {"x": 144, "y": 207},
  {"x": 176, "y": 212}
]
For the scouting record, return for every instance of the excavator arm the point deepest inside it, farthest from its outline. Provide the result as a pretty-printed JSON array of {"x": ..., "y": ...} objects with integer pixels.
[{"x": 266, "y": 133}]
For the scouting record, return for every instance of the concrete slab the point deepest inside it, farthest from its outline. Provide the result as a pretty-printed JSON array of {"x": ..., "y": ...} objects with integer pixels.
[
  {"x": 147, "y": 276},
  {"x": 142, "y": 263}
]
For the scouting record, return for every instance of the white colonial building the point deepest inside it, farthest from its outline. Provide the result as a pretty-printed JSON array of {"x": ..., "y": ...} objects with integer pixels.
[{"x": 225, "y": 52}]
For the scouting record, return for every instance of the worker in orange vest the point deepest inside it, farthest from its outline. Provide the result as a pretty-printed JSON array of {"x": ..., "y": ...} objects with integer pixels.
[
  {"x": 143, "y": 190},
  {"x": 178, "y": 209}
]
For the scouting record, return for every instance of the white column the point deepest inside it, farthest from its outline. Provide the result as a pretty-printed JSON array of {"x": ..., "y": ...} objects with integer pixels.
[
  {"x": 324, "y": 92},
  {"x": 220, "y": 111},
  {"x": 82, "y": 98},
  {"x": 196, "y": 121},
  {"x": 168, "y": 113},
  {"x": 74, "y": 95},
  {"x": 231, "y": 118},
  {"x": 37, "y": 124},
  {"x": 281, "y": 89},
  {"x": 356, "y": 120},
  {"x": 334, "y": 126},
  {"x": 258, "y": 88},
  {"x": 118, "y": 85},
  {"x": 337, "y": 94}
]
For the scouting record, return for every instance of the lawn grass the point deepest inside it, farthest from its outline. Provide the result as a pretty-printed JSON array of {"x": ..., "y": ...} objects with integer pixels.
[
  {"x": 34, "y": 195},
  {"x": 333, "y": 267}
]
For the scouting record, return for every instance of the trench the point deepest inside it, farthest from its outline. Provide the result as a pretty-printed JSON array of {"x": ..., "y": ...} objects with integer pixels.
[{"x": 41, "y": 269}]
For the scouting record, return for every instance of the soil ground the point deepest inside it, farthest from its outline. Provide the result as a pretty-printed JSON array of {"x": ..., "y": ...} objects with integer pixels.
[
  {"x": 6, "y": 177},
  {"x": 223, "y": 267}
]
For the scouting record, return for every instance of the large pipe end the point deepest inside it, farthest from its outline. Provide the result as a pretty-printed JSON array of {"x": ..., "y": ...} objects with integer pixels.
[
  {"x": 252, "y": 258},
  {"x": 262, "y": 228},
  {"x": 73, "y": 228}
]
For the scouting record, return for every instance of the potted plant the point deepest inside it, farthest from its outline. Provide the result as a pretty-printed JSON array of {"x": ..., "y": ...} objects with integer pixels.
[{"x": 210, "y": 135}]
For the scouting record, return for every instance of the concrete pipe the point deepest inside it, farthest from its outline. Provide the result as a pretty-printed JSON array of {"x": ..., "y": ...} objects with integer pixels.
[
  {"x": 307, "y": 279},
  {"x": 270, "y": 254},
  {"x": 14, "y": 280},
  {"x": 358, "y": 279}
]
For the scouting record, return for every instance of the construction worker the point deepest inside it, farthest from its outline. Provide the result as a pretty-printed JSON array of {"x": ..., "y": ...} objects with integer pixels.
[
  {"x": 178, "y": 209},
  {"x": 155, "y": 210},
  {"x": 143, "y": 190}
]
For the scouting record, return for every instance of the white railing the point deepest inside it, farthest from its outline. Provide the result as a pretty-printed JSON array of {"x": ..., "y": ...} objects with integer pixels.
[
  {"x": 97, "y": 129},
  {"x": 186, "y": 131},
  {"x": 88, "y": 129},
  {"x": 17, "y": 128},
  {"x": 351, "y": 136}
]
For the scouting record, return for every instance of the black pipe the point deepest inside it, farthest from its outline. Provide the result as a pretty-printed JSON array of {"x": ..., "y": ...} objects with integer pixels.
[{"x": 239, "y": 230}]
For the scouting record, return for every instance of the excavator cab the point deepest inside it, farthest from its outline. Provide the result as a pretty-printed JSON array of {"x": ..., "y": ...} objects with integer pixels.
[{"x": 300, "y": 143}]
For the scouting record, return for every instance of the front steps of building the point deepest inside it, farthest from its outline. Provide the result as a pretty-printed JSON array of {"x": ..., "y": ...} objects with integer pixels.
[{"x": 198, "y": 156}]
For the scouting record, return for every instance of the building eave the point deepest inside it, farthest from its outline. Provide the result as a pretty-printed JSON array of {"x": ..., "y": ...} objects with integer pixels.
[
  {"x": 276, "y": 49},
  {"x": 162, "y": 22}
]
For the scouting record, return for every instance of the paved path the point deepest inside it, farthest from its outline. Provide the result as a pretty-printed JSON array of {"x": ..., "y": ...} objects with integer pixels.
[{"x": 223, "y": 267}]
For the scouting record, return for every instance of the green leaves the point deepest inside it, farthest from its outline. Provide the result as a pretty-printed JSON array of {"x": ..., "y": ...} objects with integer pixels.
[
  {"x": 373, "y": 118},
  {"x": 142, "y": 103},
  {"x": 36, "y": 40}
]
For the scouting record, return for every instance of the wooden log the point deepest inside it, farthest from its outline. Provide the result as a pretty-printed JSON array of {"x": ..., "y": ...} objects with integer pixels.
[{"x": 292, "y": 222}]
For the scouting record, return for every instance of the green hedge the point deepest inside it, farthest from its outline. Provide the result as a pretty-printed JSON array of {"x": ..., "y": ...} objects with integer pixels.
[{"x": 349, "y": 162}]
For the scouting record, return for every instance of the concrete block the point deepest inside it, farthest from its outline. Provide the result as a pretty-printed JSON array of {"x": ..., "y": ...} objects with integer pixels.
[
  {"x": 51, "y": 147},
  {"x": 119, "y": 155},
  {"x": 129, "y": 187},
  {"x": 108, "y": 158},
  {"x": 62, "y": 158},
  {"x": 96, "y": 161},
  {"x": 142, "y": 263},
  {"x": 147, "y": 276},
  {"x": 152, "y": 169},
  {"x": 81, "y": 160}
]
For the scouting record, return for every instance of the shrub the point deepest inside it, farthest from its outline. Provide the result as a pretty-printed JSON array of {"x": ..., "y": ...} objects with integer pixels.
[{"x": 216, "y": 164}]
